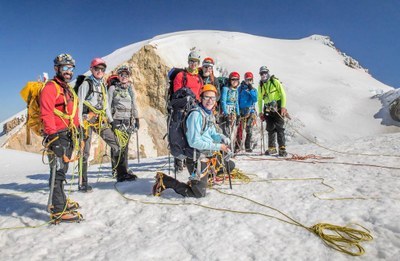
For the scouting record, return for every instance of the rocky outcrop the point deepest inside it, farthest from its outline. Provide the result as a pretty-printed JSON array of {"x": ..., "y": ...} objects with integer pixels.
[
  {"x": 348, "y": 60},
  {"x": 10, "y": 125}
]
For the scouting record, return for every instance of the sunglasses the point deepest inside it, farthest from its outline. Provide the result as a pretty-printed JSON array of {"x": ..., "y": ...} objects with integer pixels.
[
  {"x": 248, "y": 80},
  {"x": 123, "y": 75},
  {"x": 193, "y": 61},
  {"x": 207, "y": 66},
  {"x": 209, "y": 98},
  {"x": 263, "y": 73},
  {"x": 234, "y": 80},
  {"x": 67, "y": 68},
  {"x": 101, "y": 69}
]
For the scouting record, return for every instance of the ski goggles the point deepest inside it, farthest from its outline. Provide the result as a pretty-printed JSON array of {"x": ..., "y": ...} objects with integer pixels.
[{"x": 67, "y": 68}]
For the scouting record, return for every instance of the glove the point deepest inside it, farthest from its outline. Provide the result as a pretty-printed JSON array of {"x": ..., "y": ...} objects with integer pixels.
[
  {"x": 262, "y": 118},
  {"x": 55, "y": 145},
  {"x": 226, "y": 140},
  {"x": 137, "y": 125},
  {"x": 250, "y": 86},
  {"x": 283, "y": 112},
  {"x": 237, "y": 122}
]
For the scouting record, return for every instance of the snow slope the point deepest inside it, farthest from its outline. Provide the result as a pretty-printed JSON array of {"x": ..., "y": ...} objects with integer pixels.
[{"x": 118, "y": 228}]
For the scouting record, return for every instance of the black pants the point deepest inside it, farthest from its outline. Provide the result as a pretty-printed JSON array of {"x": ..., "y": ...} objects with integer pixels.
[
  {"x": 59, "y": 198},
  {"x": 194, "y": 188},
  {"x": 275, "y": 127},
  {"x": 120, "y": 160}
]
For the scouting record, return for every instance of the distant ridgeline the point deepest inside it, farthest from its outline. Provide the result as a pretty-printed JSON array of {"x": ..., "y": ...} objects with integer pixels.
[{"x": 348, "y": 60}]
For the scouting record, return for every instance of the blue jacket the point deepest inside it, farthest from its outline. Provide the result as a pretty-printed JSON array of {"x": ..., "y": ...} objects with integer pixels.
[
  {"x": 207, "y": 140},
  {"x": 247, "y": 98},
  {"x": 229, "y": 100}
]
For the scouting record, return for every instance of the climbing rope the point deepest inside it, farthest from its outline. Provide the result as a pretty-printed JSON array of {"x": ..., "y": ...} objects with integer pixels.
[
  {"x": 330, "y": 149},
  {"x": 345, "y": 239},
  {"x": 300, "y": 159}
]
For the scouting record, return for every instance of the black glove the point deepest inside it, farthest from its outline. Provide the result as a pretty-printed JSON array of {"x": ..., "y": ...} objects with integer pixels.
[
  {"x": 137, "y": 125},
  {"x": 250, "y": 86},
  {"x": 55, "y": 144}
]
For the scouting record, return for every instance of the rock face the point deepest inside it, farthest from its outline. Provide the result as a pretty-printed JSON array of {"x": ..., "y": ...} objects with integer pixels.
[
  {"x": 149, "y": 77},
  {"x": 10, "y": 125}
]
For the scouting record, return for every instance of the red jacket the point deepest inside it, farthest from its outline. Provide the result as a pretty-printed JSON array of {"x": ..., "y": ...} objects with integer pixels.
[
  {"x": 49, "y": 101},
  {"x": 193, "y": 82}
]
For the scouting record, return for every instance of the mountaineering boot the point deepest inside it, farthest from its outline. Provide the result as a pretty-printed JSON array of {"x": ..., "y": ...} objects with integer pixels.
[
  {"x": 72, "y": 205},
  {"x": 66, "y": 216},
  {"x": 282, "y": 151},
  {"x": 126, "y": 177},
  {"x": 159, "y": 185},
  {"x": 85, "y": 188},
  {"x": 179, "y": 165},
  {"x": 249, "y": 150},
  {"x": 270, "y": 151}
]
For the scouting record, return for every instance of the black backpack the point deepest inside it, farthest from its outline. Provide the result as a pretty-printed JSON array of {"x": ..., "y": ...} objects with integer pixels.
[
  {"x": 79, "y": 80},
  {"x": 171, "y": 77},
  {"x": 182, "y": 103}
]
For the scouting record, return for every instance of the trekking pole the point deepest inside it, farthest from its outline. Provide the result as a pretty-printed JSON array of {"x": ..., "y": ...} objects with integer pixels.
[
  {"x": 262, "y": 137},
  {"x": 228, "y": 168},
  {"x": 52, "y": 182},
  {"x": 169, "y": 163},
  {"x": 137, "y": 146},
  {"x": 80, "y": 161}
]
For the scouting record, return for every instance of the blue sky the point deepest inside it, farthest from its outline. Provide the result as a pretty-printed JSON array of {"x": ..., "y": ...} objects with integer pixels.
[{"x": 32, "y": 33}]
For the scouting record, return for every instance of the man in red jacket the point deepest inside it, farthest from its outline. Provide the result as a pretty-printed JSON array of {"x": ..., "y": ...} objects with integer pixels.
[
  {"x": 59, "y": 114},
  {"x": 190, "y": 77}
]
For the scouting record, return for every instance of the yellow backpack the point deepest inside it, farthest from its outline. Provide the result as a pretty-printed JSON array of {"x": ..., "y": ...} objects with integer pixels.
[{"x": 31, "y": 94}]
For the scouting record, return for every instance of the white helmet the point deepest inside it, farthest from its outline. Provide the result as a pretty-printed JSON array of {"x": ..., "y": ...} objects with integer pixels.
[{"x": 194, "y": 55}]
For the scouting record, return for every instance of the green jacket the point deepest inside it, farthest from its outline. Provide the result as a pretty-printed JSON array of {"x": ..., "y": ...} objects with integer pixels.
[{"x": 272, "y": 90}]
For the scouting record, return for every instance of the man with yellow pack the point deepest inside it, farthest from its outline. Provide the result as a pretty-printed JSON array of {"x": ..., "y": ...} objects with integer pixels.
[{"x": 59, "y": 115}]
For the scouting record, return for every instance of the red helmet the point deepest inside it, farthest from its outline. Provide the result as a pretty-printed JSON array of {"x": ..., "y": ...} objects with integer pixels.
[
  {"x": 234, "y": 75},
  {"x": 248, "y": 75},
  {"x": 97, "y": 62}
]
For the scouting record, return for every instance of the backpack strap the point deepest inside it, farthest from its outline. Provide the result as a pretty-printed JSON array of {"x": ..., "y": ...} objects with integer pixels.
[
  {"x": 90, "y": 83},
  {"x": 184, "y": 78}
]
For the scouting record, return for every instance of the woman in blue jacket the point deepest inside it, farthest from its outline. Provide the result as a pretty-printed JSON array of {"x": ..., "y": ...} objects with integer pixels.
[
  {"x": 247, "y": 101},
  {"x": 201, "y": 135},
  {"x": 230, "y": 104}
]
